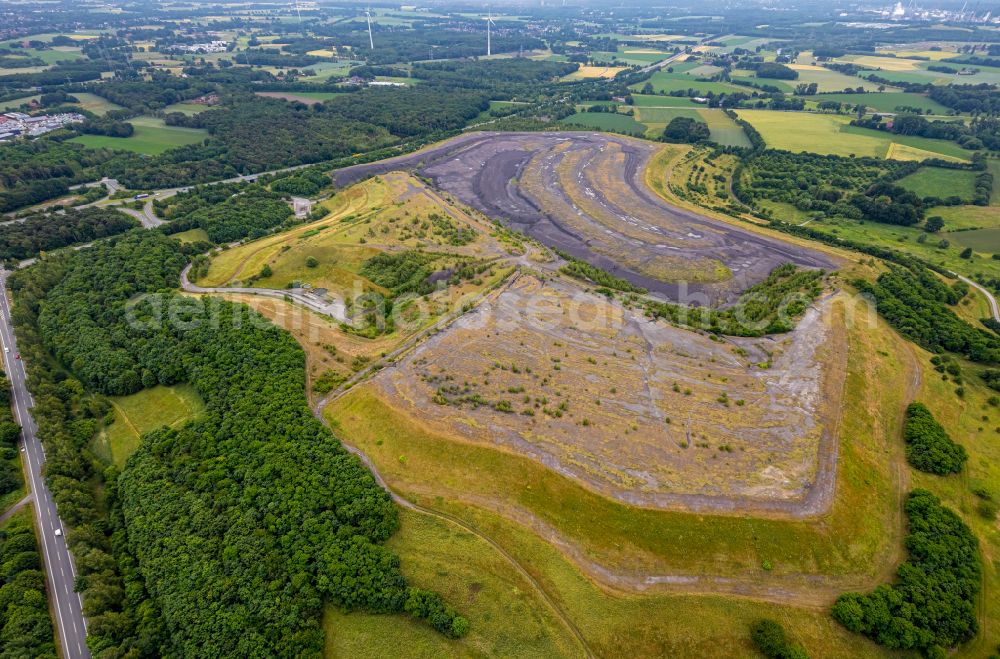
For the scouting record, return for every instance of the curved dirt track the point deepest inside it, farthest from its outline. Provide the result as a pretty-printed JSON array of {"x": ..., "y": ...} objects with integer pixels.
[{"x": 585, "y": 193}]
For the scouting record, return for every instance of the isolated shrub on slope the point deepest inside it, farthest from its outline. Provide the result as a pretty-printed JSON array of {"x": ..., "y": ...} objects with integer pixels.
[{"x": 769, "y": 638}]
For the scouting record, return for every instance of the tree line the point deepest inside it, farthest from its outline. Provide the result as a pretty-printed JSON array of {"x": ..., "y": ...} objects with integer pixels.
[
  {"x": 918, "y": 305},
  {"x": 25, "y": 626}
]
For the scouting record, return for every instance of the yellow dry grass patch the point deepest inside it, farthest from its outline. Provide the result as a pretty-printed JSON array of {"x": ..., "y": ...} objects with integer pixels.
[
  {"x": 322, "y": 53},
  {"x": 587, "y": 72},
  {"x": 935, "y": 55},
  {"x": 386, "y": 213},
  {"x": 887, "y": 63},
  {"x": 899, "y": 151}
]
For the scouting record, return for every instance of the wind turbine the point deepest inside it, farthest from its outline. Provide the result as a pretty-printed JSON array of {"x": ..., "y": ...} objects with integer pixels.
[
  {"x": 371, "y": 40},
  {"x": 489, "y": 24}
]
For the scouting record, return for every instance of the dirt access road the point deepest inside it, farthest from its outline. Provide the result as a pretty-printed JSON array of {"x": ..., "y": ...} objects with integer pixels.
[{"x": 585, "y": 193}]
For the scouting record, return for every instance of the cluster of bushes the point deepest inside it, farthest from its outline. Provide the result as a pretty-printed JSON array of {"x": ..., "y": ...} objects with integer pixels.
[
  {"x": 685, "y": 130},
  {"x": 770, "y": 307},
  {"x": 275, "y": 517},
  {"x": 41, "y": 232},
  {"x": 928, "y": 446},
  {"x": 25, "y": 626},
  {"x": 932, "y": 604},
  {"x": 400, "y": 273},
  {"x": 775, "y": 71},
  {"x": 769, "y": 638},
  {"x": 915, "y": 302},
  {"x": 583, "y": 270}
]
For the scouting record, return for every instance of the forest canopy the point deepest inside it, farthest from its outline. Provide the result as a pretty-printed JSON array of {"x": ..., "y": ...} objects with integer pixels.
[{"x": 246, "y": 519}]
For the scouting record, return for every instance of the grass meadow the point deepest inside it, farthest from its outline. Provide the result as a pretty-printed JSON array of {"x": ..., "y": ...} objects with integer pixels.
[
  {"x": 142, "y": 412},
  {"x": 152, "y": 136}
]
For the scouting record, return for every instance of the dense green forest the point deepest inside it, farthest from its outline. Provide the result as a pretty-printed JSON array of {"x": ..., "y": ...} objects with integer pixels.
[
  {"x": 31, "y": 172},
  {"x": 41, "y": 232},
  {"x": 931, "y": 605},
  {"x": 246, "y": 519},
  {"x": 228, "y": 212},
  {"x": 25, "y": 627},
  {"x": 855, "y": 188},
  {"x": 916, "y": 302},
  {"x": 251, "y": 134}
]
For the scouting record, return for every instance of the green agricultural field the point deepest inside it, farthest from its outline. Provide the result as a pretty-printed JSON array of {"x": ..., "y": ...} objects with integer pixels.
[
  {"x": 648, "y": 115},
  {"x": 906, "y": 239},
  {"x": 498, "y": 105},
  {"x": 327, "y": 70},
  {"x": 832, "y": 134},
  {"x": 674, "y": 82},
  {"x": 982, "y": 241},
  {"x": 662, "y": 101},
  {"x": 151, "y": 137},
  {"x": 7, "y": 106},
  {"x": 57, "y": 54},
  {"x": 885, "y": 101},
  {"x": 917, "y": 76},
  {"x": 606, "y": 121},
  {"x": 967, "y": 217},
  {"x": 628, "y": 55},
  {"x": 940, "y": 182},
  {"x": 724, "y": 130},
  {"x": 186, "y": 108},
  {"x": 939, "y": 147},
  {"x": 783, "y": 85},
  {"x": 191, "y": 236},
  {"x": 95, "y": 104},
  {"x": 140, "y": 413},
  {"x": 829, "y": 80}
]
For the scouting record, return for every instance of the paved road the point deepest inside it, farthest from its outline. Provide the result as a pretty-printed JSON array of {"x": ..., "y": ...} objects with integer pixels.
[
  {"x": 662, "y": 63},
  {"x": 146, "y": 216},
  {"x": 994, "y": 308},
  {"x": 334, "y": 307},
  {"x": 59, "y": 569}
]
